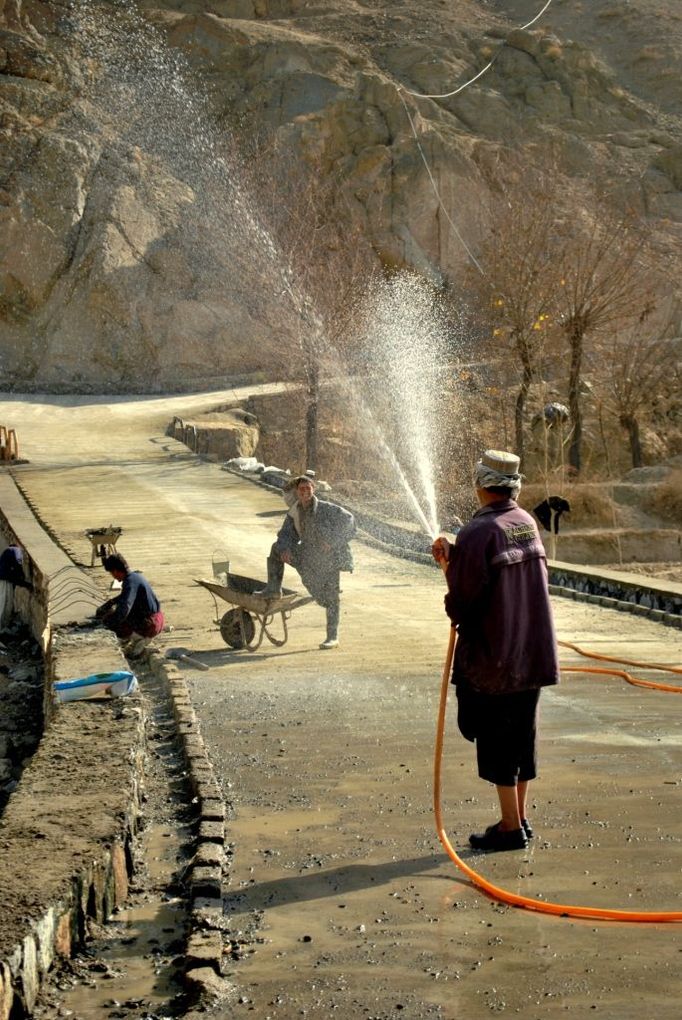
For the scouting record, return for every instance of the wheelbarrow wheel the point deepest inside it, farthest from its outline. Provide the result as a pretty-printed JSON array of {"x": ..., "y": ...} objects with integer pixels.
[{"x": 237, "y": 628}]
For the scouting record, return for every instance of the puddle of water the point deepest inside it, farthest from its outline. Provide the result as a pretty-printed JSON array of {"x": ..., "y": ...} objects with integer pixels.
[
  {"x": 252, "y": 824},
  {"x": 131, "y": 969}
]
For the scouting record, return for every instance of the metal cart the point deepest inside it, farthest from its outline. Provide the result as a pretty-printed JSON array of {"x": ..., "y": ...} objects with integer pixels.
[{"x": 238, "y": 627}]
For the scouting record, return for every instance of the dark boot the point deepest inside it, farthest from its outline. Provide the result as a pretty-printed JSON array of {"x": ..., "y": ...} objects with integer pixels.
[{"x": 273, "y": 589}]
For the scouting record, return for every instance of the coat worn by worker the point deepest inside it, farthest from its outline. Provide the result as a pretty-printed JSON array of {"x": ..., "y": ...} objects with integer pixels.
[
  {"x": 11, "y": 576},
  {"x": 11, "y": 567},
  {"x": 136, "y": 610},
  {"x": 318, "y": 537},
  {"x": 499, "y": 599}
]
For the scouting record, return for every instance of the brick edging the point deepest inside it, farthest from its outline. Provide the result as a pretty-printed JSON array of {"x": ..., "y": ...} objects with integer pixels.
[
  {"x": 606, "y": 602},
  {"x": 205, "y": 947}
]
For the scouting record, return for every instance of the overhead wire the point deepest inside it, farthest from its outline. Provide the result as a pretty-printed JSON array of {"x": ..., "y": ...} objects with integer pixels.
[
  {"x": 441, "y": 204},
  {"x": 446, "y": 95},
  {"x": 460, "y": 88}
]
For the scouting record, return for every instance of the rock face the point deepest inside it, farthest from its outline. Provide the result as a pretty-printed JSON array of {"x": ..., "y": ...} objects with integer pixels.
[{"x": 131, "y": 257}]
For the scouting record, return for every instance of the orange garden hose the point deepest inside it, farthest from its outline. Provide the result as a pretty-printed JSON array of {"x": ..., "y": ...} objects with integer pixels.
[
  {"x": 671, "y": 688},
  {"x": 514, "y": 899}
]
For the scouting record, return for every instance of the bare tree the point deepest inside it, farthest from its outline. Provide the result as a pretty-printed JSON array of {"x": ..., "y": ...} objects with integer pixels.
[
  {"x": 558, "y": 263},
  {"x": 326, "y": 268},
  {"x": 519, "y": 281},
  {"x": 604, "y": 284},
  {"x": 638, "y": 363}
]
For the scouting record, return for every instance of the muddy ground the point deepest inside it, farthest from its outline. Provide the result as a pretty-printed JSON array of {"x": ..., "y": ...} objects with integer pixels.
[
  {"x": 337, "y": 865},
  {"x": 21, "y": 710},
  {"x": 340, "y": 896},
  {"x": 132, "y": 967}
]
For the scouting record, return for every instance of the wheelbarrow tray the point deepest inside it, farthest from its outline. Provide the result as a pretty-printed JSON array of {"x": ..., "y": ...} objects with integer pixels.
[
  {"x": 241, "y": 591},
  {"x": 237, "y": 626}
]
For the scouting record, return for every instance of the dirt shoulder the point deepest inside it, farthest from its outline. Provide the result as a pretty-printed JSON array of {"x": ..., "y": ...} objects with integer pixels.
[{"x": 64, "y": 830}]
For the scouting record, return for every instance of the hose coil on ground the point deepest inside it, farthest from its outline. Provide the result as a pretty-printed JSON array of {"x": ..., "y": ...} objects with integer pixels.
[{"x": 527, "y": 902}]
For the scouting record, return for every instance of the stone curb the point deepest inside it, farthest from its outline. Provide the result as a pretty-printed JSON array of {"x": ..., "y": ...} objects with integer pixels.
[
  {"x": 205, "y": 949},
  {"x": 657, "y": 615}
]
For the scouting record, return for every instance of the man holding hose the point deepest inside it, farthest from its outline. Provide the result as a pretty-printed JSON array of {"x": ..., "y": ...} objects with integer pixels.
[{"x": 506, "y": 648}]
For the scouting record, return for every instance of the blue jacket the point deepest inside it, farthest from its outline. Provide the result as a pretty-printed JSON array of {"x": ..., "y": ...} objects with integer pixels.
[{"x": 136, "y": 603}]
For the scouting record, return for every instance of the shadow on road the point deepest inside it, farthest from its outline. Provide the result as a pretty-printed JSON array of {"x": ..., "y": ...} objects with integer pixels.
[
  {"x": 217, "y": 658},
  {"x": 316, "y": 885}
]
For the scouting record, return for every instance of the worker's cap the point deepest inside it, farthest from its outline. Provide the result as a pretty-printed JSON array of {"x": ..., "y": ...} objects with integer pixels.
[
  {"x": 499, "y": 470},
  {"x": 502, "y": 462}
]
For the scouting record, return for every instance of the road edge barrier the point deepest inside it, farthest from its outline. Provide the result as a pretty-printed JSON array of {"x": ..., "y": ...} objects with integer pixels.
[{"x": 207, "y": 873}]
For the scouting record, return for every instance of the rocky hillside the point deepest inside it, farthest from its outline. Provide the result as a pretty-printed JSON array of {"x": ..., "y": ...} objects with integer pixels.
[{"x": 132, "y": 257}]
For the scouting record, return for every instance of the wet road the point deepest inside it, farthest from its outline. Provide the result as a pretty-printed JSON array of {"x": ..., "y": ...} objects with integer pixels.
[{"x": 344, "y": 898}]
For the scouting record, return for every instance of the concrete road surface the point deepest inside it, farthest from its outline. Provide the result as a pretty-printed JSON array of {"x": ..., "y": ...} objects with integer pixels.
[{"x": 341, "y": 899}]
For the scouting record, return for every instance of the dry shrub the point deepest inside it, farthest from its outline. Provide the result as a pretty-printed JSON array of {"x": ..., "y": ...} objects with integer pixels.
[
  {"x": 591, "y": 505},
  {"x": 650, "y": 53},
  {"x": 666, "y": 498},
  {"x": 283, "y": 450}
]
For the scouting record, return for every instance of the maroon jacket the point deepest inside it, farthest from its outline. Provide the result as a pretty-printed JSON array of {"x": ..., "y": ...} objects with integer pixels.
[{"x": 498, "y": 597}]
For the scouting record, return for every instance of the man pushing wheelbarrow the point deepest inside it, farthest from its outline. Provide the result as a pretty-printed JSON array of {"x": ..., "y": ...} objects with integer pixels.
[{"x": 314, "y": 539}]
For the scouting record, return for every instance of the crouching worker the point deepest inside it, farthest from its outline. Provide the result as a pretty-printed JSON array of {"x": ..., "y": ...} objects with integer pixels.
[
  {"x": 506, "y": 650},
  {"x": 135, "y": 615},
  {"x": 314, "y": 539}
]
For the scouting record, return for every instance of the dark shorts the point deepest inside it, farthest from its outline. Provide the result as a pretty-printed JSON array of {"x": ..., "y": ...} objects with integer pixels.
[{"x": 505, "y": 729}]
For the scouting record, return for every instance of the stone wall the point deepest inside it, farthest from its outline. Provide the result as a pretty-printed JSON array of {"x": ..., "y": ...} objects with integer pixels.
[
  {"x": 66, "y": 832},
  {"x": 218, "y": 435}
]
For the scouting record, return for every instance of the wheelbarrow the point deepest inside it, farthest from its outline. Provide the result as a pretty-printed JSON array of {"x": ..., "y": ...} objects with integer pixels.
[
  {"x": 103, "y": 541},
  {"x": 238, "y": 626}
]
